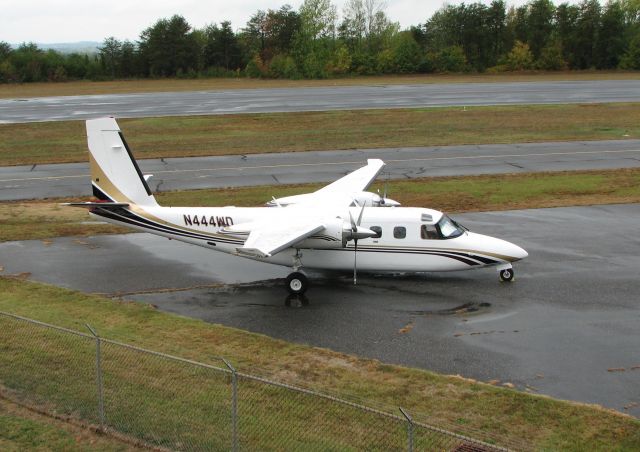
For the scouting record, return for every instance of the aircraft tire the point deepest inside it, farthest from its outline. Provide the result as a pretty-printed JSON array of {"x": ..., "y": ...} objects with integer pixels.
[
  {"x": 507, "y": 275},
  {"x": 297, "y": 283}
]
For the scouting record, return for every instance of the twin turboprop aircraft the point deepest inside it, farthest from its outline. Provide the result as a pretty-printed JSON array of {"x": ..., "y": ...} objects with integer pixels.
[{"x": 339, "y": 227}]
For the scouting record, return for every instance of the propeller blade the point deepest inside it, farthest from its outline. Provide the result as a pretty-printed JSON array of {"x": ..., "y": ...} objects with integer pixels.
[
  {"x": 360, "y": 216},
  {"x": 384, "y": 194},
  {"x": 355, "y": 262},
  {"x": 354, "y": 226}
]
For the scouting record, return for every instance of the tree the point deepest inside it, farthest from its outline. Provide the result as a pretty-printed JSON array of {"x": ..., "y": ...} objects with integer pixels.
[
  {"x": 406, "y": 53},
  {"x": 5, "y": 50},
  {"x": 539, "y": 25},
  {"x": 566, "y": 17},
  {"x": 586, "y": 34},
  {"x": 631, "y": 58},
  {"x": 314, "y": 41},
  {"x": 111, "y": 56},
  {"x": 611, "y": 37},
  {"x": 169, "y": 47},
  {"x": 222, "y": 48},
  {"x": 520, "y": 57}
]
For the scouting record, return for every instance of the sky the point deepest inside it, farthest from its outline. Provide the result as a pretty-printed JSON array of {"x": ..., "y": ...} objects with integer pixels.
[{"x": 59, "y": 21}]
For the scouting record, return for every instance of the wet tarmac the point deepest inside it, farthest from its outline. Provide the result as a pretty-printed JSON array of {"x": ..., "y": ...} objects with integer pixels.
[
  {"x": 569, "y": 326},
  {"x": 315, "y": 99},
  {"x": 72, "y": 179}
]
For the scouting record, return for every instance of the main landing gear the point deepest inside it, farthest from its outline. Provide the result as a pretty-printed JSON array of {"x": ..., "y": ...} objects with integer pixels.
[
  {"x": 506, "y": 273},
  {"x": 297, "y": 283}
]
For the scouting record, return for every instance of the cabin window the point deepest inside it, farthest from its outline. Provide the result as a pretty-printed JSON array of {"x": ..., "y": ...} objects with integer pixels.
[
  {"x": 399, "y": 232},
  {"x": 429, "y": 232},
  {"x": 377, "y": 230}
]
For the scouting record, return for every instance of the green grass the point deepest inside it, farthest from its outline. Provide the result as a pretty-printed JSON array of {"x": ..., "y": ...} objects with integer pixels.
[
  {"x": 21, "y": 429},
  {"x": 159, "y": 389},
  {"x": 46, "y": 219},
  {"x": 58, "y": 142}
]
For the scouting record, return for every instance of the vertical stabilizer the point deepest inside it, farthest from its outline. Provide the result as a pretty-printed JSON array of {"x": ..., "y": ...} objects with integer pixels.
[{"x": 115, "y": 175}]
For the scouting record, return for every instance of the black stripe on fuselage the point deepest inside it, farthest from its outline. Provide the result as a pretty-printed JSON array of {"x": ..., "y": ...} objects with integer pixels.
[{"x": 128, "y": 217}]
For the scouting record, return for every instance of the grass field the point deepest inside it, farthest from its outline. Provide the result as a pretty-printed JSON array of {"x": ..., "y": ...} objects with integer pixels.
[
  {"x": 57, "y": 142},
  {"x": 22, "y": 429},
  {"x": 519, "y": 418},
  {"x": 44, "y": 219},
  {"x": 208, "y": 84}
]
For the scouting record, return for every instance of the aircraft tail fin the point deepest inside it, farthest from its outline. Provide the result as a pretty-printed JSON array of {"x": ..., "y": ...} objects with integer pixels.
[{"x": 115, "y": 175}]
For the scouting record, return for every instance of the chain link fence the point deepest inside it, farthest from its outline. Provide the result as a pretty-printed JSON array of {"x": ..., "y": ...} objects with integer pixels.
[{"x": 167, "y": 402}]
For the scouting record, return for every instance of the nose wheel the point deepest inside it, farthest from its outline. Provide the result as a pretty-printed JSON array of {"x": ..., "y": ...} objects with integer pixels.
[
  {"x": 507, "y": 275},
  {"x": 297, "y": 283}
]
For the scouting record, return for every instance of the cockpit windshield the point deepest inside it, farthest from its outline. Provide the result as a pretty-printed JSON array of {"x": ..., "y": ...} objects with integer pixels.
[{"x": 449, "y": 229}]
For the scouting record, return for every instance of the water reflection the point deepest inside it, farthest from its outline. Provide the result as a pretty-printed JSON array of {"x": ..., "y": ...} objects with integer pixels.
[{"x": 296, "y": 301}]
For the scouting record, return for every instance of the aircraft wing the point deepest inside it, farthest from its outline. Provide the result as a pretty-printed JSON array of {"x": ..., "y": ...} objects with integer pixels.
[
  {"x": 267, "y": 239},
  {"x": 358, "y": 180}
]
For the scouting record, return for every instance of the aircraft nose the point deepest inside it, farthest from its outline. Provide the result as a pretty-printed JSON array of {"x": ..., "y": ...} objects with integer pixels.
[{"x": 517, "y": 252}]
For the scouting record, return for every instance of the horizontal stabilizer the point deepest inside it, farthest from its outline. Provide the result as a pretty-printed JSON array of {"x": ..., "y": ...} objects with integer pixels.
[{"x": 93, "y": 205}]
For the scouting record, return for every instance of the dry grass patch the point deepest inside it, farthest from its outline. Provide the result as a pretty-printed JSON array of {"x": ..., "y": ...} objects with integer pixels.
[
  {"x": 58, "y": 142},
  {"x": 77, "y": 88}
]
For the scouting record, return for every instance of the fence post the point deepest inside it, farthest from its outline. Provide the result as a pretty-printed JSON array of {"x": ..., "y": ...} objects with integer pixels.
[
  {"x": 234, "y": 406},
  {"x": 98, "y": 377},
  {"x": 409, "y": 430}
]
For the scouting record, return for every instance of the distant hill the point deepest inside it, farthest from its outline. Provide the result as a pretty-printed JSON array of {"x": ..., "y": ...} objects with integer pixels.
[{"x": 70, "y": 47}]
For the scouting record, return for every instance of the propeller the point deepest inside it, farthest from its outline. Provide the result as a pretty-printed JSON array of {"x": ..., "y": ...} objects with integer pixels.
[
  {"x": 358, "y": 232},
  {"x": 384, "y": 201}
]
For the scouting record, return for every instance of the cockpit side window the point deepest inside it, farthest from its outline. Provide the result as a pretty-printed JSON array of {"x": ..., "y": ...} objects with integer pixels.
[
  {"x": 429, "y": 232},
  {"x": 448, "y": 228}
]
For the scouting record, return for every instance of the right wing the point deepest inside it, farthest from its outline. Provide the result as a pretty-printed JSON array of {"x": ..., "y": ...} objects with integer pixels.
[{"x": 268, "y": 238}]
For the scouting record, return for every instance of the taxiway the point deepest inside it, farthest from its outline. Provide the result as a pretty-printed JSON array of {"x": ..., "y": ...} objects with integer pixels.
[{"x": 48, "y": 181}]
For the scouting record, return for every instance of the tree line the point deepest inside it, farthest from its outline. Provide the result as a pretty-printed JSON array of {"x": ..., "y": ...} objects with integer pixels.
[{"x": 316, "y": 42}]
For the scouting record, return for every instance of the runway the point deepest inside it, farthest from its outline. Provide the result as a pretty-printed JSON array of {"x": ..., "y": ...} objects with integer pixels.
[
  {"x": 571, "y": 316},
  {"x": 315, "y": 99},
  {"x": 46, "y": 181}
]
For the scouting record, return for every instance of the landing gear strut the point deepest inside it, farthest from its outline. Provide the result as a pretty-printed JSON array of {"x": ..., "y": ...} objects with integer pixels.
[{"x": 297, "y": 283}]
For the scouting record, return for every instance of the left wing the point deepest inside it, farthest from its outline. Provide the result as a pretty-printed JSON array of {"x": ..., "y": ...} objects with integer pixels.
[
  {"x": 267, "y": 239},
  {"x": 341, "y": 192},
  {"x": 358, "y": 180}
]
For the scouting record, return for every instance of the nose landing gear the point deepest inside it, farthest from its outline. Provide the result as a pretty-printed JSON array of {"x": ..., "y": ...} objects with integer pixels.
[{"x": 507, "y": 275}]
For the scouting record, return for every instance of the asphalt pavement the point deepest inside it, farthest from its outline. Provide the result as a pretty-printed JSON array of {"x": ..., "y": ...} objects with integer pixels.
[
  {"x": 46, "y": 181},
  {"x": 315, "y": 99},
  {"x": 569, "y": 326}
]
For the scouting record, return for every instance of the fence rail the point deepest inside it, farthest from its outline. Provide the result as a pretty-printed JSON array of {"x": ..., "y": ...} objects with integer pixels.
[{"x": 169, "y": 402}]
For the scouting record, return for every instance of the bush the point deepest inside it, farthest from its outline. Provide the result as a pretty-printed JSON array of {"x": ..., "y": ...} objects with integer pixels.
[
  {"x": 551, "y": 58},
  {"x": 451, "y": 59},
  {"x": 283, "y": 66},
  {"x": 255, "y": 67}
]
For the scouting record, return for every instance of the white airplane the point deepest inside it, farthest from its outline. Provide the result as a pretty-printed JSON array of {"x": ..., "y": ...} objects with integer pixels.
[{"x": 339, "y": 227}]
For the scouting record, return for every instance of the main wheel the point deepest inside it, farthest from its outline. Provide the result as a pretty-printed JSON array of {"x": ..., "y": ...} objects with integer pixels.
[
  {"x": 507, "y": 275},
  {"x": 297, "y": 283}
]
